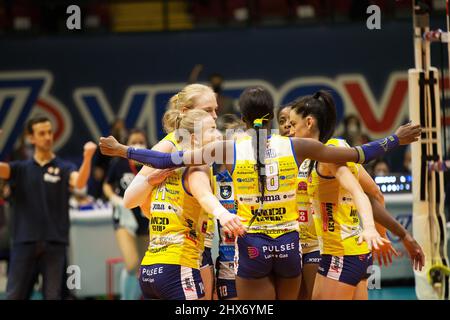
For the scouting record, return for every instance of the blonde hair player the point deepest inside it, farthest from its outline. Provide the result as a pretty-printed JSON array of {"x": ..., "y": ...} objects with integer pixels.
[
  {"x": 178, "y": 220},
  {"x": 191, "y": 97},
  {"x": 272, "y": 163}
]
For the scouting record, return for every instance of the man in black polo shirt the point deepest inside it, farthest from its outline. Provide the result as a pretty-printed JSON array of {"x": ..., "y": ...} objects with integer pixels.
[{"x": 40, "y": 190}]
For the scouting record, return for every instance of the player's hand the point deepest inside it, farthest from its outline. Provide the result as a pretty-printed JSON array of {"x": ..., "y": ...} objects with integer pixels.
[
  {"x": 157, "y": 176},
  {"x": 414, "y": 251},
  {"x": 231, "y": 224},
  {"x": 408, "y": 133},
  {"x": 89, "y": 149},
  {"x": 111, "y": 147},
  {"x": 373, "y": 239},
  {"x": 384, "y": 254}
]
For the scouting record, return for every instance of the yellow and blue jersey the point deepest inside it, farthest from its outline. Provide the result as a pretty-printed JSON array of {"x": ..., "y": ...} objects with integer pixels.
[
  {"x": 307, "y": 227},
  {"x": 278, "y": 215},
  {"x": 337, "y": 224},
  {"x": 210, "y": 229},
  {"x": 172, "y": 138},
  {"x": 177, "y": 225}
]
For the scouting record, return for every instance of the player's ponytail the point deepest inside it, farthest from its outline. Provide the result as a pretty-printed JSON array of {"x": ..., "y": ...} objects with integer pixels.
[
  {"x": 321, "y": 107},
  {"x": 256, "y": 105}
]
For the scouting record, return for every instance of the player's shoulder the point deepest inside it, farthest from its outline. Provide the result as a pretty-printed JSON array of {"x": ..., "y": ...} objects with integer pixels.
[{"x": 337, "y": 142}]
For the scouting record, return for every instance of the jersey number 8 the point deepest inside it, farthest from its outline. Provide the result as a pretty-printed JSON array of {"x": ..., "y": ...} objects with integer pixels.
[{"x": 272, "y": 180}]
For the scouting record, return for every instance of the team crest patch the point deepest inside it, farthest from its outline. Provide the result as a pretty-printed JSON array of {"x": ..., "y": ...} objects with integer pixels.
[{"x": 225, "y": 192}]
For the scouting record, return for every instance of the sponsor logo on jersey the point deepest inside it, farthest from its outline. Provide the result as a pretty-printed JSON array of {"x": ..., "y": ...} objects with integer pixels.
[
  {"x": 280, "y": 248},
  {"x": 354, "y": 215},
  {"x": 302, "y": 186},
  {"x": 336, "y": 264},
  {"x": 228, "y": 205},
  {"x": 271, "y": 214},
  {"x": 289, "y": 176},
  {"x": 253, "y": 252},
  {"x": 302, "y": 216},
  {"x": 188, "y": 284},
  {"x": 158, "y": 206},
  {"x": 327, "y": 216},
  {"x": 245, "y": 179},
  {"x": 225, "y": 192},
  {"x": 159, "y": 220},
  {"x": 268, "y": 198}
]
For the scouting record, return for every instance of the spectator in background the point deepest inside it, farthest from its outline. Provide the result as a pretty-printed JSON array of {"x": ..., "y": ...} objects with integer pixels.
[
  {"x": 131, "y": 226},
  {"x": 352, "y": 131},
  {"x": 380, "y": 168},
  {"x": 40, "y": 191},
  {"x": 225, "y": 103},
  {"x": 101, "y": 162}
]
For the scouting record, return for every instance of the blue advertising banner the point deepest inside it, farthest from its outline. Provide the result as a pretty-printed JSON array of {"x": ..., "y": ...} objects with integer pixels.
[{"x": 83, "y": 82}]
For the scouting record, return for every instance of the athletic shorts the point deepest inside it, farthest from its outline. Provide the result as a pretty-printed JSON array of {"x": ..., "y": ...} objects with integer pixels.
[
  {"x": 206, "y": 258},
  {"x": 171, "y": 282},
  {"x": 258, "y": 255},
  {"x": 132, "y": 220},
  {"x": 226, "y": 289},
  {"x": 311, "y": 257},
  {"x": 347, "y": 269}
]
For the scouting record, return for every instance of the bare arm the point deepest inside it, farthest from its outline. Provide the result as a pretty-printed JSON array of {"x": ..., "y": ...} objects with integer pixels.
[
  {"x": 414, "y": 250},
  {"x": 200, "y": 186},
  {"x": 79, "y": 179},
  {"x": 218, "y": 151},
  {"x": 111, "y": 195},
  {"x": 370, "y": 187},
  {"x": 309, "y": 148},
  {"x": 306, "y": 148},
  {"x": 5, "y": 170},
  {"x": 384, "y": 220},
  {"x": 348, "y": 181},
  {"x": 377, "y": 201},
  {"x": 139, "y": 191}
]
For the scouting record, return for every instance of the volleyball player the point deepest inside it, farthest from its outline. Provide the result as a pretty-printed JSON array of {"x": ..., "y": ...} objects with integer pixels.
[
  {"x": 193, "y": 96},
  {"x": 170, "y": 268},
  {"x": 334, "y": 208},
  {"x": 262, "y": 271}
]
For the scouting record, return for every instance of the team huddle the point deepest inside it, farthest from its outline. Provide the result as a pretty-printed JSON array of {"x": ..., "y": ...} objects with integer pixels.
[{"x": 297, "y": 215}]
